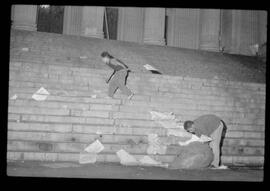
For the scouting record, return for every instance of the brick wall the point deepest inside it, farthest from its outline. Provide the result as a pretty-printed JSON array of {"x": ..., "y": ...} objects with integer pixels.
[{"x": 60, "y": 127}]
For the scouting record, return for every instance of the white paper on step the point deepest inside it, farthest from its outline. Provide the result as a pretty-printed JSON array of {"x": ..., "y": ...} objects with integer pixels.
[
  {"x": 126, "y": 158},
  {"x": 14, "y": 97},
  {"x": 41, "y": 94},
  {"x": 25, "y": 49},
  {"x": 87, "y": 158},
  {"x": 149, "y": 67},
  {"x": 162, "y": 116},
  {"x": 95, "y": 147},
  {"x": 195, "y": 138}
]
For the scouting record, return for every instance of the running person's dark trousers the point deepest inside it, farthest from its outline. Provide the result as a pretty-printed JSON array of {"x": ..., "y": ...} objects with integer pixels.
[{"x": 118, "y": 81}]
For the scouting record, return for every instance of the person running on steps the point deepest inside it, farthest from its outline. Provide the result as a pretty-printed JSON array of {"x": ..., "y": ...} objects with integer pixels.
[
  {"x": 119, "y": 75},
  {"x": 211, "y": 126}
]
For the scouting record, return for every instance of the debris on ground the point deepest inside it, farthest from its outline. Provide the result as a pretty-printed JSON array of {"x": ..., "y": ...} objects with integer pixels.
[
  {"x": 98, "y": 132},
  {"x": 83, "y": 57},
  {"x": 94, "y": 96},
  {"x": 25, "y": 49},
  {"x": 89, "y": 155},
  {"x": 221, "y": 167},
  {"x": 155, "y": 145},
  {"x": 41, "y": 94},
  {"x": 254, "y": 49},
  {"x": 14, "y": 97},
  {"x": 151, "y": 69},
  {"x": 194, "y": 138},
  {"x": 196, "y": 155},
  {"x": 162, "y": 116},
  {"x": 126, "y": 158},
  {"x": 95, "y": 147},
  {"x": 169, "y": 122}
]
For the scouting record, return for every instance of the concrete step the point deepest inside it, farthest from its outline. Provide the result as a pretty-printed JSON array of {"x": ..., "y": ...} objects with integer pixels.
[
  {"x": 74, "y": 157},
  {"x": 112, "y": 148}
]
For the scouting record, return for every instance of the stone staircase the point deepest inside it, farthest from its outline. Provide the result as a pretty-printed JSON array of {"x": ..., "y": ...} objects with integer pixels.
[{"x": 76, "y": 112}]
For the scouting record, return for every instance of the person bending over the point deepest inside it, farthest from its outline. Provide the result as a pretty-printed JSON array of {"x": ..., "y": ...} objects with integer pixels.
[
  {"x": 211, "y": 126},
  {"x": 119, "y": 75}
]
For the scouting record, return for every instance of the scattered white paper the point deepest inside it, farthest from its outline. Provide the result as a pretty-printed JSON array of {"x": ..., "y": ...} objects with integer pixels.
[
  {"x": 205, "y": 138},
  {"x": 83, "y": 57},
  {"x": 98, "y": 132},
  {"x": 41, "y": 94},
  {"x": 95, "y": 147},
  {"x": 14, "y": 97},
  {"x": 149, "y": 67},
  {"x": 25, "y": 49},
  {"x": 87, "y": 158},
  {"x": 94, "y": 96},
  {"x": 42, "y": 91},
  {"x": 222, "y": 167},
  {"x": 155, "y": 145},
  {"x": 162, "y": 116},
  {"x": 126, "y": 158},
  {"x": 193, "y": 139},
  {"x": 254, "y": 49},
  {"x": 38, "y": 97}
]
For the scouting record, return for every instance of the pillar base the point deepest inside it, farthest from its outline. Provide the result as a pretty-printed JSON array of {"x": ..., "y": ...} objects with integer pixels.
[
  {"x": 24, "y": 26},
  {"x": 154, "y": 41},
  {"x": 210, "y": 48}
]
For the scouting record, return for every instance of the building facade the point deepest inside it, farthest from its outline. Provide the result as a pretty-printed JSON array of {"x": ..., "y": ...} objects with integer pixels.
[{"x": 230, "y": 31}]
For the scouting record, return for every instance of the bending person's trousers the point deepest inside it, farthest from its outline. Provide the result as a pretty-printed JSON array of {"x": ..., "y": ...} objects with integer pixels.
[
  {"x": 215, "y": 144},
  {"x": 118, "y": 81}
]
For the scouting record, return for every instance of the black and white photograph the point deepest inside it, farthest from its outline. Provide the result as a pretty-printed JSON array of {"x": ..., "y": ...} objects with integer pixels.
[{"x": 136, "y": 93}]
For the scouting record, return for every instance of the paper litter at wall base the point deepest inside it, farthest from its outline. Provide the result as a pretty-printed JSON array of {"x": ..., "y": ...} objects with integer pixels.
[
  {"x": 95, "y": 147},
  {"x": 126, "y": 158}
]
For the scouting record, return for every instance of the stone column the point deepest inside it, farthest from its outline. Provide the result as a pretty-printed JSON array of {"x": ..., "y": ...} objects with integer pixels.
[
  {"x": 263, "y": 26},
  {"x": 92, "y": 22},
  {"x": 130, "y": 24},
  {"x": 25, "y": 17},
  {"x": 72, "y": 20},
  {"x": 210, "y": 29},
  {"x": 154, "y": 26},
  {"x": 183, "y": 28},
  {"x": 249, "y": 31}
]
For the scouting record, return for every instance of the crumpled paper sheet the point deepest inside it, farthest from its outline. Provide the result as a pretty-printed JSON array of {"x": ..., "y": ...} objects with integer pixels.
[
  {"x": 14, "y": 97},
  {"x": 149, "y": 67},
  {"x": 162, "y": 116},
  {"x": 168, "y": 121},
  {"x": 126, "y": 158},
  {"x": 195, "y": 138},
  {"x": 41, "y": 94},
  {"x": 155, "y": 145},
  {"x": 89, "y": 155},
  {"x": 95, "y": 147},
  {"x": 222, "y": 167}
]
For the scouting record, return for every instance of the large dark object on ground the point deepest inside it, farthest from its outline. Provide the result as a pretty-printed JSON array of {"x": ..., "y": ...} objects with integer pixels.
[{"x": 196, "y": 155}]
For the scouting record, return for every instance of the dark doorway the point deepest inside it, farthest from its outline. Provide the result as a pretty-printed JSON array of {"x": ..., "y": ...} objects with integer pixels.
[
  {"x": 112, "y": 18},
  {"x": 50, "y": 19}
]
